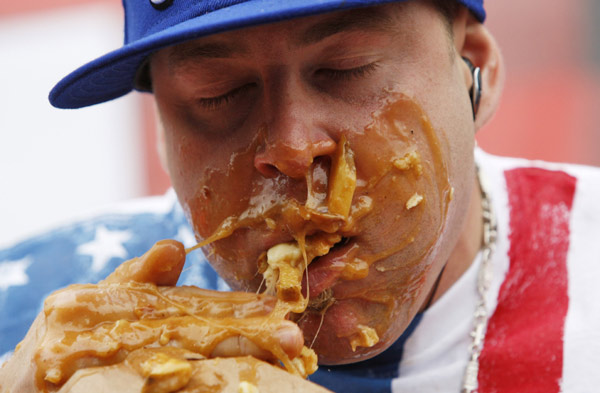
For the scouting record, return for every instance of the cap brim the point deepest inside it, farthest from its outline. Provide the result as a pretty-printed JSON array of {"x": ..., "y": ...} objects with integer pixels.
[{"x": 112, "y": 75}]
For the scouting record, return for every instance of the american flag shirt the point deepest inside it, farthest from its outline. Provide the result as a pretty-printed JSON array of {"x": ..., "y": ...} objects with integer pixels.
[{"x": 543, "y": 334}]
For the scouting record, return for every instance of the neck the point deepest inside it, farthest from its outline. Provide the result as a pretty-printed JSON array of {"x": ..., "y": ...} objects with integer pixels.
[{"x": 467, "y": 246}]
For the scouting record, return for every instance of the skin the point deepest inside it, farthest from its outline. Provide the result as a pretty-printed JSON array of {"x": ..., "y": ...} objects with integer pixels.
[
  {"x": 233, "y": 109},
  {"x": 290, "y": 99}
]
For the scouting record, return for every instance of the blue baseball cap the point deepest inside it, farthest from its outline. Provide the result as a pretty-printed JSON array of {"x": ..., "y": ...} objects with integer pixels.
[{"x": 154, "y": 24}]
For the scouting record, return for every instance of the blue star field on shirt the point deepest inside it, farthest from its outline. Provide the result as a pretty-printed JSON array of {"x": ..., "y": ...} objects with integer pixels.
[{"x": 86, "y": 252}]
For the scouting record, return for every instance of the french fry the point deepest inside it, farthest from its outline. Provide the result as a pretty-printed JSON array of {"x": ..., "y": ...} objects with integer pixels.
[{"x": 342, "y": 180}]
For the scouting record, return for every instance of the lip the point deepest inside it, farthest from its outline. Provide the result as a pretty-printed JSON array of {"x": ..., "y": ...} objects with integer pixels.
[
  {"x": 272, "y": 239},
  {"x": 325, "y": 271}
]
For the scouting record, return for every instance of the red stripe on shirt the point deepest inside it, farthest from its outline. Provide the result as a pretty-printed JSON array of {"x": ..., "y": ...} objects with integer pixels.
[{"x": 523, "y": 349}]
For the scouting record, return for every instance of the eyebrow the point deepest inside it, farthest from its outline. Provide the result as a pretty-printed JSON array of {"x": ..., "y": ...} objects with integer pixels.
[
  {"x": 210, "y": 50},
  {"x": 362, "y": 19},
  {"x": 369, "y": 19}
]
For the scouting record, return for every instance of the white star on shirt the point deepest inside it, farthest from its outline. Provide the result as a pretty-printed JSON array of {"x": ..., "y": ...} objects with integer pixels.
[
  {"x": 12, "y": 273},
  {"x": 105, "y": 246}
]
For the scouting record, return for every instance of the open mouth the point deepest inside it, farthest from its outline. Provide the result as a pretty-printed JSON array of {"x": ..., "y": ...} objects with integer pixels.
[
  {"x": 324, "y": 271},
  {"x": 330, "y": 258}
]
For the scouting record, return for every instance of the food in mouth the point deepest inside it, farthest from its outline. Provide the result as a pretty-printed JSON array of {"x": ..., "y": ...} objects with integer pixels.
[{"x": 309, "y": 275}]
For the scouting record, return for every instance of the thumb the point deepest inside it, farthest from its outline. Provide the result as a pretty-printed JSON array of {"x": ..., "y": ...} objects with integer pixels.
[{"x": 161, "y": 265}]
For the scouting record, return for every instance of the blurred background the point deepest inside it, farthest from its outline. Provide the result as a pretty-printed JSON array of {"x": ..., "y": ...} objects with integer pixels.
[{"x": 56, "y": 165}]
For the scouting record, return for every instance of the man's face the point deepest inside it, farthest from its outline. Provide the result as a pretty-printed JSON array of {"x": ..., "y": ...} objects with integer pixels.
[{"x": 252, "y": 120}]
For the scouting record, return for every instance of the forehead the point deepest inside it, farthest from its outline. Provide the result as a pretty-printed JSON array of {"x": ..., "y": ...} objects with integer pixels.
[{"x": 296, "y": 33}]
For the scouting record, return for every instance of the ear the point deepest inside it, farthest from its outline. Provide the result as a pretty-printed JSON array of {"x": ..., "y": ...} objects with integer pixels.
[{"x": 474, "y": 41}]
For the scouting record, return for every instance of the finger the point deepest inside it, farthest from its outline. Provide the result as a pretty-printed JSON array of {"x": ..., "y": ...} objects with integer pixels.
[
  {"x": 161, "y": 265},
  {"x": 288, "y": 335},
  {"x": 290, "y": 338},
  {"x": 239, "y": 346},
  {"x": 216, "y": 304}
]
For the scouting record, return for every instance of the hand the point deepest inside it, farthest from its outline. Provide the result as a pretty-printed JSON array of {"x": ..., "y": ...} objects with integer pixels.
[{"x": 139, "y": 306}]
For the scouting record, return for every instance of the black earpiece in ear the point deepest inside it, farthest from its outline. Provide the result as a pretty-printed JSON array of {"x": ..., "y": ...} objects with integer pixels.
[{"x": 475, "y": 91}]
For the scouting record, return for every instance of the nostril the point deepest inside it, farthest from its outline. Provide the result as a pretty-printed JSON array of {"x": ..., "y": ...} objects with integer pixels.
[
  {"x": 268, "y": 170},
  {"x": 283, "y": 160},
  {"x": 292, "y": 155},
  {"x": 265, "y": 168}
]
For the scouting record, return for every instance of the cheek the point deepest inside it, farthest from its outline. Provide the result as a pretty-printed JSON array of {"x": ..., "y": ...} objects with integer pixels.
[
  {"x": 208, "y": 172},
  {"x": 449, "y": 111},
  {"x": 403, "y": 168},
  {"x": 213, "y": 187}
]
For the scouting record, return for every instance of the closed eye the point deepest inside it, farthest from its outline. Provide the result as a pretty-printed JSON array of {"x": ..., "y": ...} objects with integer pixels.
[
  {"x": 213, "y": 103},
  {"x": 348, "y": 74}
]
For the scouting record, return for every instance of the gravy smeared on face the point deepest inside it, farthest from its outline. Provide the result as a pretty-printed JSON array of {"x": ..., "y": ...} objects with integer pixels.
[{"x": 359, "y": 229}]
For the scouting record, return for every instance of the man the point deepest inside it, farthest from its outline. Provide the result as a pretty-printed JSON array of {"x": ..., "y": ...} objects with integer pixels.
[{"x": 255, "y": 112}]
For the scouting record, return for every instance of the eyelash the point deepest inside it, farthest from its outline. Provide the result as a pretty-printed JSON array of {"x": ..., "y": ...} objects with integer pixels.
[
  {"x": 349, "y": 74},
  {"x": 213, "y": 103}
]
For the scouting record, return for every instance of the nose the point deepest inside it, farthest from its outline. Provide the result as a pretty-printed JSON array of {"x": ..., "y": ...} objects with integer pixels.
[{"x": 294, "y": 135}]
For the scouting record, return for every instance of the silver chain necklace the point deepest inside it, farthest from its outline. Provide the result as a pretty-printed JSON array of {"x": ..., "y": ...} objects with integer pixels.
[{"x": 484, "y": 277}]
